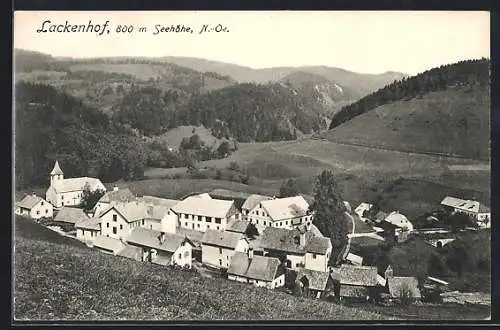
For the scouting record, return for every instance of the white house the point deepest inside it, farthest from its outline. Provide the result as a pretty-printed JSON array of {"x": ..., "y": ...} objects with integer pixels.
[
  {"x": 218, "y": 247},
  {"x": 475, "y": 209},
  {"x": 257, "y": 270},
  {"x": 34, "y": 207},
  {"x": 120, "y": 219},
  {"x": 361, "y": 209},
  {"x": 399, "y": 220},
  {"x": 162, "y": 248},
  {"x": 116, "y": 195},
  {"x": 286, "y": 213},
  {"x": 201, "y": 212},
  {"x": 88, "y": 230},
  {"x": 302, "y": 248},
  {"x": 69, "y": 192},
  {"x": 251, "y": 202}
]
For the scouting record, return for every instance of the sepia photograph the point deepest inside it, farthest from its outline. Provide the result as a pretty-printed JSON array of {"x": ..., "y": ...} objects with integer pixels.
[{"x": 251, "y": 165}]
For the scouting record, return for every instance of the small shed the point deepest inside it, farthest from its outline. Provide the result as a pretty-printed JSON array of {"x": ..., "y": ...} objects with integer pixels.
[
  {"x": 357, "y": 281},
  {"x": 314, "y": 283},
  {"x": 404, "y": 287}
]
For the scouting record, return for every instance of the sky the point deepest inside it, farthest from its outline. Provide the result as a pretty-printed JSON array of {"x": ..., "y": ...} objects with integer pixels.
[{"x": 360, "y": 41}]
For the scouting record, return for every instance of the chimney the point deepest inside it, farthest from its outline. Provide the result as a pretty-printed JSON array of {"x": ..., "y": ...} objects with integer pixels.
[
  {"x": 388, "y": 272},
  {"x": 302, "y": 238},
  {"x": 115, "y": 188},
  {"x": 161, "y": 238},
  {"x": 250, "y": 253}
]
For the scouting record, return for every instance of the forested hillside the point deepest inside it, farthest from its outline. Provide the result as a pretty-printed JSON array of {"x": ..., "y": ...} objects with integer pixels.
[
  {"x": 50, "y": 125},
  {"x": 462, "y": 73}
]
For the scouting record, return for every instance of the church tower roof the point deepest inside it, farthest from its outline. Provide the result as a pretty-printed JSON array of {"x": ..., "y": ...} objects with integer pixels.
[{"x": 56, "y": 169}]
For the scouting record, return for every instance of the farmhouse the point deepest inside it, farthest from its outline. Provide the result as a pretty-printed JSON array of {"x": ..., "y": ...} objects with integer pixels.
[
  {"x": 258, "y": 270},
  {"x": 162, "y": 248},
  {"x": 218, "y": 247},
  {"x": 300, "y": 248},
  {"x": 69, "y": 192},
  {"x": 475, "y": 209},
  {"x": 399, "y": 220},
  {"x": 108, "y": 245},
  {"x": 202, "y": 212},
  {"x": 361, "y": 209},
  {"x": 286, "y": 213},
  {"x": 116, "y": 195},
  {"x": 120, "y": 218},
  {"x": 313, "y": 283},
  {"x": 34, "y": 207},
  {"x": 88, "y": 230},
  {"x": 357, "y": 281},
  {"x": 250, "y": 203}
]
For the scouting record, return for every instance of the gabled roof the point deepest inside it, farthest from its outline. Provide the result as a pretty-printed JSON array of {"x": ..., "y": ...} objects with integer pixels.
[
  {"x": 109, "y": 243},
  {"x": 71, "y": 215},
  {"x": 194, "y": 235},
  {"x": 363, "y": 207},
  {"x": 29, "y": 201},
  {"x": 151, "y": 238},
  {"x": 317, "y": 280},
  {"x": 215, "y": 208},
  {"x": 224, "y": 239},
  {"x": 285, "y": 240},
  {"x": 253, "y": 200},
  {"x": 120, "y": 195},
  {"x": 258, "y": 268},
  {"x": 91, "y": 224},
  {"x": 285, "y": 208},
  {"x": 399, "y": 220},
  {"x": 77, "y": 184},
  {"x": 165, "y": 202},
  {"x": 56, "y": 169},
  {"x": 238, "y": 226},
  {"x": 462, "y": 204},
  {"x": 358, "y": 275},
  {"x": 398, "y": 285},
  {"x": 137, "y": 210},
  {"x": 131, "y": 252}
]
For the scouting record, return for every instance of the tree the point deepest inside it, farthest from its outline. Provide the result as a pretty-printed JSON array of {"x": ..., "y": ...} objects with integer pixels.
[
  {"x": 460, "y": 220},
  {"x": 329, "y": 211},
  {"x": 90, "y": 198},
  {"x": 251, "y": 231},
  {"x": 224, "y": 149},
  {"x": 233, "y": 166},
  {"x": 289, "y": 188}
]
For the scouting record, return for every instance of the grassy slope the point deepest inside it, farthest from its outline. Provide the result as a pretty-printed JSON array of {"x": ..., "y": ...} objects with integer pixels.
[
  {"x": 432, "y": 123},
  {"x": 57, "y": 278},
  {"x": 175, "y": 136}
]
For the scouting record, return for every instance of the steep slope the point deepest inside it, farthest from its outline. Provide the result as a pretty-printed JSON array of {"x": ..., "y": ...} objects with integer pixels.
[{"x": 449, "y": 114}]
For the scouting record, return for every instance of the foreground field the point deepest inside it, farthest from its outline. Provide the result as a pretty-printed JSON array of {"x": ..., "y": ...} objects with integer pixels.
[{"x": 57, "y": 278}]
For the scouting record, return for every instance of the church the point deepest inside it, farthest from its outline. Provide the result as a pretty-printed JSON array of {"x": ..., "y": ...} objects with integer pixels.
[{"x": 68, "y": 192}]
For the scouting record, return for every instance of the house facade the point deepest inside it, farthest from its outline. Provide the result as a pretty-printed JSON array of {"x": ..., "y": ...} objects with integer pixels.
[
  {"x": 218, "y": 247},
  {"x": 88, "y": 230},
  {"x": 34, "y": 207},
  {"x": 257, "y": 270},
  {"x": 250, "y": 203},
  {"x": 478, "y": 211},
  {"x": 116, "y": 195},
  {"x": 300, "y": 248},
  {"x": 201, "y": 213},
  {"x": 69, "y": 192},
  {"x": 285, "y": 213},
  {"x": 357, "y": 281},
  {"x": 314, "y": 284}
]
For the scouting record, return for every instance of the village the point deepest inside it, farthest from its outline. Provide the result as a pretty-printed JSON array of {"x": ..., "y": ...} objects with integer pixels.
[{"x": 260, "y": 240}]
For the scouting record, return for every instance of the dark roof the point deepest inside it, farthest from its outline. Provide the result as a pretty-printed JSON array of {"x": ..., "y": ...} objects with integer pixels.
[
  {"x": 258, "y": 268},
  {"x": 194, "y": 235},
  {"x": 71, "y": 215},
  {"x": 238, "y": 226},
  {"x": 120, "y": 195},
  {"x": 280, "y": 239},
  {"x": 398, "y": 284},
  {"x": 365, "y": 241},
  {"x": 92, "y": 224},
  {"x": 224, "y": 239},
  {"x": 358, "y": 275},
  {"x": 317, "y": 280},
  {"x": 151, "y": 238}
]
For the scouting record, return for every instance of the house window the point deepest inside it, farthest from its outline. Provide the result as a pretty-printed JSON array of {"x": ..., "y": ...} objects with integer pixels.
[
  {"x": 143, "y": 222},
  {"x": 314, "y": 255},
  {"x": 46, "y": 211},
  {"x": 198, "y": 225},
  {"x": 180, "y": 255},
  {"x": 265, "y": 224},
  {"x": 114, "y": 217},
  {"x": 220, "y": 250},
  {"x": 114, "y": 230},
  {"x": 257, "y": 221},
  {"x": 37, "y": 212},
  {"x": 42, "y": 203},
  {"x": 217, "y": 220},
  {"x": 217, "y": 227},
  {"x": 208, "y": 226},
  {"x": 185, "y": 224},
  {"x": 208, "y": 219},
  {"x": 107, "y": 224},
  {"x": 121, "y": 227},
  {"x": 185, "y": 216},
  {"x": 257, "y": 212},
  {"x": 297, "y": 264},
  {"x": 62, "y": 203},
  {"x": 186, "y": 254},
  {"x": 220, "y": 262},
  {"x": 62, "y": 196}
]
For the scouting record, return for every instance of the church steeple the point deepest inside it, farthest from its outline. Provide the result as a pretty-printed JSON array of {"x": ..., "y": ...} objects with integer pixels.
[{"x": 56, "y": 174}]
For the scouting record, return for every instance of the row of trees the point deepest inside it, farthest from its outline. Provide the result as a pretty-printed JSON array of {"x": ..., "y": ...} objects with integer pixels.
[{"x": 461, "y": 73}]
